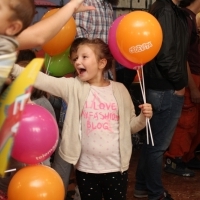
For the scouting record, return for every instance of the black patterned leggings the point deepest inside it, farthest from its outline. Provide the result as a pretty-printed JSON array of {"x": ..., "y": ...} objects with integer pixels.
[{"x": 109, "y": 186}]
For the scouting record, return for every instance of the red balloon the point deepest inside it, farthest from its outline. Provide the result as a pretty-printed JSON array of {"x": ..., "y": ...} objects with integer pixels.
[
  {"x": 37, "y": 136},
  {"x": 36, "y": 182}
]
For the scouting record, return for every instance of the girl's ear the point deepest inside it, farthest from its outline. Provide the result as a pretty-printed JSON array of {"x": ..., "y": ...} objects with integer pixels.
[
  {"x": 102, "y": 63},
  {"x": 14, "y": 28},
  {"x": 70, "y": 59}
]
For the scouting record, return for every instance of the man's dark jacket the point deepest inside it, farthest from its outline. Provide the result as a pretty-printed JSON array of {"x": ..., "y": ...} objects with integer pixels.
[{"x": 168, "y": 70}]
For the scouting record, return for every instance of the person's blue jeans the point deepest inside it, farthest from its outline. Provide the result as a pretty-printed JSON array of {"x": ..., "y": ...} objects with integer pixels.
[{"x": 166, "y": 111}]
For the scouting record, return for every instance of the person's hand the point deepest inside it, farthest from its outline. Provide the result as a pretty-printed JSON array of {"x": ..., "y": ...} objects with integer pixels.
[
  {"x": 146, "y": 109},
  {"x": 81, "y": 7},
  {"x": 195, "y": 95},
  {"x": 180, "y": 92},
  {"x": 8, "y": 80}
]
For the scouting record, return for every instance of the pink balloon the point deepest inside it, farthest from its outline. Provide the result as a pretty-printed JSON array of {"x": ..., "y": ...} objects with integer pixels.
[
  {"x": 37, "y": 136},
  {"x": 112, "y": 42}
]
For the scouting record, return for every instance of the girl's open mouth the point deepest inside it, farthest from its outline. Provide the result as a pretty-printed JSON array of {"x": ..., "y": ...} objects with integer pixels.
[{"x": 81, "y": 71}]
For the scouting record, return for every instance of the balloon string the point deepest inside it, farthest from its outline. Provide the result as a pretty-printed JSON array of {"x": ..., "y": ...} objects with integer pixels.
[
  {"x": 47, "y": 70},
  {"x": 144, "y": 99},
  {"x": 147, "y": 132},
  {"x": 150, "y": 132},
  {"x": 149, "y": 125},
  {"x": 142, "y": 86},
  {"x": 147, "y": 119},
  {"x": 10, "y": 170}
]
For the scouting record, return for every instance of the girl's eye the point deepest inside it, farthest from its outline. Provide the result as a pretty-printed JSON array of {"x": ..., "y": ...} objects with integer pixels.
[{"x": 75, "y": 59}]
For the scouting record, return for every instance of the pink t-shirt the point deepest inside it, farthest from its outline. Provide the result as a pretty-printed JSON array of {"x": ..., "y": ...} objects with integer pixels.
[{"x": 100, "y": 132}]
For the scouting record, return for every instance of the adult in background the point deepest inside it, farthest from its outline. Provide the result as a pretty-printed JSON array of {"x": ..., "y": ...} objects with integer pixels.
[
  {"x": 181, "y": 153},
  {"x": 165, "y": 80}
]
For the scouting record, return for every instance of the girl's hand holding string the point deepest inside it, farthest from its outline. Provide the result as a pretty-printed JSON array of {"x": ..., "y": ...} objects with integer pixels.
[{"x": 146, "y": 110}]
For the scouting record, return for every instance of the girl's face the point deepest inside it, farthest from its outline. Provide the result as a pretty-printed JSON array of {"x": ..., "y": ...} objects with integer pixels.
[{"x": 88, "y": 67}]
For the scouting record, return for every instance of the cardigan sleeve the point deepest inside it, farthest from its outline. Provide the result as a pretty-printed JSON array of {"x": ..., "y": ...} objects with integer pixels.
[
  {"x": 138, "y": 123},
  {"x": 56, "y": 86}
]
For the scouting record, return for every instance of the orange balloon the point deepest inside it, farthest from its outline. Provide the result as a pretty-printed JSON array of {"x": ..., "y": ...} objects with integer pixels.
[
  {"x": 139, "y": 37},
  {"x": 36, "y": 182},
  {"x": 64, "y": 37}
]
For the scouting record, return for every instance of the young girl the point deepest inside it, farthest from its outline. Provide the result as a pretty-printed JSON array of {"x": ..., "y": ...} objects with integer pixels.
[{"x": 99, "y": 121}]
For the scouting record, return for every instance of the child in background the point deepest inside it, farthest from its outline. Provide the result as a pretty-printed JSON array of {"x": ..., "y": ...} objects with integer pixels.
[
  {"x": 15, "y": 16},
  {"x": 100, "y": 118}
]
